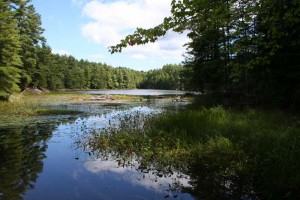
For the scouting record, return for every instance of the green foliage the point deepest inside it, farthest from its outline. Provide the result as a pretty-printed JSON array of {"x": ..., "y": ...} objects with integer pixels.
[
  {"x": 9, "y": 52},
  {"x": 70, "y": 73},
  {"x": 22, "y": 46},
  {"x": 9, "y": 78},
  {"x": 247, "y": 50},
  {"x": 9, "y": 37},
  {"x": 30, "y": 33},
  {"x": 169, "y": 77},
  {"x": 225, "y": 152}
]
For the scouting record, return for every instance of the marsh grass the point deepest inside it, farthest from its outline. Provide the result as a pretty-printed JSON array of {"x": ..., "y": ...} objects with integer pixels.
[
  {"x": 31, "y": 104},
  {"x": 228, "y": 153},
  {"x": 55, "y": 112},
  {"x": 127, "y": 97}
]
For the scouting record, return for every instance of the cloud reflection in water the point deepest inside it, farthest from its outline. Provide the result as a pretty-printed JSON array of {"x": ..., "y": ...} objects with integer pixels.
[{"x": 130, "y": 174}]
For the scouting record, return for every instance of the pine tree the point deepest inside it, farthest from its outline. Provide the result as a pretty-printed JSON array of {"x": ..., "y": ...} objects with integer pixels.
[
  {"x": 9, "y": 52},
  {"x": 30, "y": 31},
  {"x": 243, "y": 48},
  {"x": 44, "y": 64}
]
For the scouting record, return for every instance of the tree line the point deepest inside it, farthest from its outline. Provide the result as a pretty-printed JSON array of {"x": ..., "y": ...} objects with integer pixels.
[
  {"x": 27, "y": 61},
  {"x": 246, "y": 51},
  {"x": 66, "y": 72},
  {"x": 169, "y": 77}
]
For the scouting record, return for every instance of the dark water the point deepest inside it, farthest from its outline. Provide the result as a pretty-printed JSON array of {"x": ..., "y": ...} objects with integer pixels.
[
  {"x": 133, "y": 92},
  {"x": 43, "y": 159}
]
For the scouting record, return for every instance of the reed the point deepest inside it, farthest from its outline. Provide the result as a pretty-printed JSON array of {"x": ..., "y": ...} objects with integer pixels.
[{"x": 247, "y": 152}]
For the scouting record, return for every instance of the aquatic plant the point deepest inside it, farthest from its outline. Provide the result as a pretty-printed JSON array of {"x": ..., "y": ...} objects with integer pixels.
[{"x": 227, "y": 153}]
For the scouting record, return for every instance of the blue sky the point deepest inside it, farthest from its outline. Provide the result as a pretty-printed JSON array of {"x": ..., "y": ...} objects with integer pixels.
[{"x": 85, "y": 28}]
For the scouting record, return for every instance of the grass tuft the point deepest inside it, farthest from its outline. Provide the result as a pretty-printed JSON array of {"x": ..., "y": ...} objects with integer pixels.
[{"x": 225, "y": 151}]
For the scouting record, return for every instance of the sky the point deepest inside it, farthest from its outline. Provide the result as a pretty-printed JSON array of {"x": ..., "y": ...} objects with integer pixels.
[{"x": 86, "y": 28}]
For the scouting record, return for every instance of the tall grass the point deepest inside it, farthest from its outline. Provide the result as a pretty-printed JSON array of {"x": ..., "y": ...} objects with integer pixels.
[
  {"x": 263, "y": 146},
  {"x": 228, "y": 153}
]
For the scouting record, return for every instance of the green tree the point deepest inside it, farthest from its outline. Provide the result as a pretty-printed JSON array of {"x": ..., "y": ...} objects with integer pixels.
[
  {"x": 30, "y": 33},
  {"x": 45, "y": 62},
  {"x": 9, "y": 52},
  {"x": 247, "y": 50},
  {"x": 169, "y": 77},
  {"x": 279, "y": 51}
]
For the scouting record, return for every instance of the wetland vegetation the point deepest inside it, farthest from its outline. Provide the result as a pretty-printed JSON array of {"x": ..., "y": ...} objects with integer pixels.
[
  {"x": 40, "y": 143},
  {"x": 198, "y": 152},
  {"x": 241, "y": 142},
  {"x": 228, "y": 154}
]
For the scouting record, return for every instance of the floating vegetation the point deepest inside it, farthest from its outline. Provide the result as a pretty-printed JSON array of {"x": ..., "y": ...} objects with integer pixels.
[
  {"x": 227, "y": 154},
  {"x": 56, "y": 112},
  {"x": 222, "y": 153}
]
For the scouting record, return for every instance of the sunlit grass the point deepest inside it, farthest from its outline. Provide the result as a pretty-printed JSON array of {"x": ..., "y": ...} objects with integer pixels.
[
  {"x": 34, "y": 104},
  {"x": 30, "y": 104}
]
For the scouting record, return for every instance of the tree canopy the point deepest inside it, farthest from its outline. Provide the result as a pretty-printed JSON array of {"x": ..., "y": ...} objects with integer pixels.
[
  {"x": 27, "y": 61},
  {"x": 10, "y": 47},
  {"x": 20, "y": 35},
  {"x": 247, "y": 50}
]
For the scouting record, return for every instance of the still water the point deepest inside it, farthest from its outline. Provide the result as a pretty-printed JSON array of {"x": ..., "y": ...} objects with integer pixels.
[
  {"x": 139, "y": 92},
  {"x": 43, "y": 159}
]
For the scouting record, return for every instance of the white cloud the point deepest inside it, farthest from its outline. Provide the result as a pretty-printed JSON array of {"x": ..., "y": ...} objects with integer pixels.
[
  {"x": 138, "y": 56},
  {"x": 129, "y": 173},
  {"x": 100, "y": 34},
  {"x": 168, "y": 47},
  {"x": 98, "y": 166},
  {"x": 61, "y": 52},
  {"x": 110, "y": 21},
  {"x": 124, "y": 14}
]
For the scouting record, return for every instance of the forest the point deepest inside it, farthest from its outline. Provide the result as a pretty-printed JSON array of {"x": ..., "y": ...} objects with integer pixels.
[
  {"x": 238, "y": 139},
  {"x": 241, "y": 51},
  {"x": 27, "y": 61}
]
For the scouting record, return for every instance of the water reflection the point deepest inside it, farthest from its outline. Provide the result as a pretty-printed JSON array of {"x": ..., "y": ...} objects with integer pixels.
[
  {"x": 47, "y": 161},
  {"x": 22, "y": 151},
  {"x": 136, "y": 92},
  {"x": 164, "y": 186}
]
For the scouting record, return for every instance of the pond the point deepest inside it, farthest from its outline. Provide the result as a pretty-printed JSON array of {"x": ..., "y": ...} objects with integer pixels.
[
  {"x": 136, "y": 92},
  {"x": 44, "y": 159}
]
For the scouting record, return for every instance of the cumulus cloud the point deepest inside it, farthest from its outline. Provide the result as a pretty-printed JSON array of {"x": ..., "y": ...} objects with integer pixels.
[
  {"x": 129, "y": 173},
  {"x": 99, "y": 166},
  {"x": 171, "y": 46},
  {"x": 110, "y": 21},
  {"x": 138, "y": 56}
]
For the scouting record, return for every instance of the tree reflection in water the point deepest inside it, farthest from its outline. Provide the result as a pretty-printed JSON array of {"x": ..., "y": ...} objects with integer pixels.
[{"x": 22, "y": 151}]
